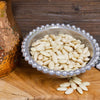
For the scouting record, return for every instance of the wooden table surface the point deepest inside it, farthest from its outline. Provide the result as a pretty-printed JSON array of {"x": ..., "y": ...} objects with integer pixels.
[{"x": 25, "y": 83}]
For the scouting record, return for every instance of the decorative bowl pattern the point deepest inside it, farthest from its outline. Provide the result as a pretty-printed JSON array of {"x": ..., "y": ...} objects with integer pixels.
[{"x": 85, "y": 37}]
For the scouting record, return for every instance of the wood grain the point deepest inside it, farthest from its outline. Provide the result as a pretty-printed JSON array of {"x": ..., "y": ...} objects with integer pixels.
[
  {"x": 25, "y": 83},
  {"x": 83, "y": 13}
]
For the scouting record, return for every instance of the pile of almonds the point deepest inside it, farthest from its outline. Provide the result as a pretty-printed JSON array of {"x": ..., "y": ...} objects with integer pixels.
[
  {"x": 74, "y": 83},
  {"x": 61, "y": 52}
]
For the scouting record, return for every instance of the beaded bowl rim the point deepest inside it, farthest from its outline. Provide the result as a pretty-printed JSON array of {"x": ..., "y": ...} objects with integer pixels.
[{"x": 92, "y": 62}]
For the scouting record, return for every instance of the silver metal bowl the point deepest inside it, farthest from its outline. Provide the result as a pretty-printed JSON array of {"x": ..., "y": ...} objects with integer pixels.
[{"x": 77, "y": 33}]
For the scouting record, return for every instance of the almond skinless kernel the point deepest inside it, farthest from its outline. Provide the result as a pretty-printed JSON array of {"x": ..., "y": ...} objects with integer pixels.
[
  {"x": 53, "y": 37},
  {"x": 51, "y": 65},
  {"x": 87, "y": 54},
  {"x": 79, "y": 90},
  {"x": 83, "y": 87},
  {"x": 69, "y": 49},
  {"x": 70, "y": 86},
  {"x": 58, "y": 67},
  {"x": 83, "y": 64},
  {"x": 32, "y": 53},
  {"x": 67, "y": 84},
  {"x": 77, "y": 81},
  {"x": 86, "y": 83},
  {"x": 35, "y": 43},
  {"x": 33, "y": 49},
  {"x": 76, "y": 78},
  {"x": 46, "y": 62},
  {"x": 75, "y": 54},
  {"x": 39, "y": 48},
  {"x": 45, "y": 53},
  {"x": 61, "y": 89},
  {"x": 69, "y": 91},
  {"x": 85, "y": 50},
  {"x": 58, "y": 52},
  {"x": 73, "y": 85},
  {"x": 40, "y": 62},
  {"x": 63, "y": 51},
  {"x": 62, "y": 61},
  {"x": 45, "y": 59},
  {"x": 79, "y": 50},
  {"x": 40, "y": 57},
  {"x": 35, "y": 56},
  {"x": 54, "y": 57},
  {"x": 86, "y": 59}
]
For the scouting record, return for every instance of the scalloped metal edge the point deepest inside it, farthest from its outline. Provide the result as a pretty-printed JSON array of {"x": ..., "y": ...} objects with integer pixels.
[{"x": 62, "y": 73}]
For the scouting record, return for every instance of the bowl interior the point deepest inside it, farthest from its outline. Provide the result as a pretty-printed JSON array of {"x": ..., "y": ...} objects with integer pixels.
[
  {"x": 41, "y": 34},
  {"x": 59, "y": 29}
]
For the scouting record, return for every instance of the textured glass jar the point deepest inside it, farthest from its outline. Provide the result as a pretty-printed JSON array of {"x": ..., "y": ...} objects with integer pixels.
[{"x": 9, "y": 38}]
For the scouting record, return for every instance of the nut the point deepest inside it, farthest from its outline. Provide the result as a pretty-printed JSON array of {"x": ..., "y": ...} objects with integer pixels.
[{"x": 62, "y": 52}]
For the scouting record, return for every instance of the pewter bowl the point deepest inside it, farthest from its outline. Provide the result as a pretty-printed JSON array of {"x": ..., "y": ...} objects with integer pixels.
[{"x": 77, "y": 33}]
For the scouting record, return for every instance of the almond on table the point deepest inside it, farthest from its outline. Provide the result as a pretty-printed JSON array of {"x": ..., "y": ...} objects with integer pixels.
[
  {"x": 61, "y": 89},
  {"x": 74, "y": 83},
  {"x": 79, "y": 90},
  {"x": 69, "y": 91}
]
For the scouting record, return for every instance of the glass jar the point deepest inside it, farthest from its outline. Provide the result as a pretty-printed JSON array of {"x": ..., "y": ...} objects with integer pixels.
[{"x": 9, "y": 39}]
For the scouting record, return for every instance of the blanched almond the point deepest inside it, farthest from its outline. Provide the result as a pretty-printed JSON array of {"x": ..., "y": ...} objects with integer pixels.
[
  {"x": 32, "y": 53},
  {"x": 61, "y": 89},
  {"x": 82, "y": 46},
  {"x": 40, "y": 57},
  {"x": 75, "y": 54},
  {"x": 61, "y": 57},
  {"x": 69, "y": 49},
  {"x": 79, "y": 90},
  {"x": 79, "y": 50},
  {"x": 80, "y": 61},
  {"x": 83, "y": 64},
  {"x": 65, "y": 53},
  {"x": 86, "y": 83},
  {"x": 64, "y": 50},
  {"x": 53, "y": 37},
  {"x": 51, "y": 65},
  {"x": 58, "y": 52},
  {"x": 33, "y": 49},
  {"x": 40, "y": 62},
  {"x": 35, "y": 43},
  {"x": 74, "y": 59},
  {"x": 73, "y": 85},
  {"x": 86, "y": 59},
  {"x": 45, "y": 53},
  {"x": 83, "y": 87},
  {"x": 46, "y": 62},
  {"x": 69, "y": 91},
  {"x": 45, "y": 59},
  {"x": 65, "y": 66},
  {"x": 36, "y": 56},
  {"x": 76, "y": 78},
  {"x": 47, "y": 44},
  {"x": 70, "y": 66},
  {"x": 88, "y": 53},
  {"x": 66, "y": 84},
  {"x": 85, "y": 50},
  {"x": 54, "y": 58},
  {"x": 77, "y": 81},
  {"x": 62, "y": 61}
]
